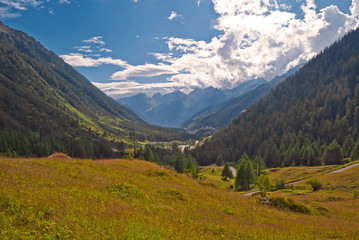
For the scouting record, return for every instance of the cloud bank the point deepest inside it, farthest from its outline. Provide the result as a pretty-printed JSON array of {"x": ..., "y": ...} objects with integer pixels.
[{"x": 259, "y": 39}]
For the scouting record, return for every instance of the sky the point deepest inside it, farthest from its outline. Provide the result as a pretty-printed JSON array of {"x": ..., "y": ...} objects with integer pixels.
[{"x": 125, "y": 47}]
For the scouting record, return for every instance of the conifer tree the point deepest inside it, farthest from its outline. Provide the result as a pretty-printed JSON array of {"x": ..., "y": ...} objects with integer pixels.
[
  {"x": 226, "y": 172},
  {"x": 148, "y": 155},
  {"x": 219, "y": 160},
  {"x": 245, "y": 174}
]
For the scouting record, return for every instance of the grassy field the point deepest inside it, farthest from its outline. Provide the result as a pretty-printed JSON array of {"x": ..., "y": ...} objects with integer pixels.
[{"x": 130, "y": 199}]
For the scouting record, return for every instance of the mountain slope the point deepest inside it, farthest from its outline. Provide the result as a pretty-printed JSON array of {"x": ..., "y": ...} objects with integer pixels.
[
  {"x": 48, "y": 103},
  {"x": 219, "y": 116},
  {"x": 175, "y": 108},
  {"x": 298, "y": 121},
  {"x": 123, "y": 199}
]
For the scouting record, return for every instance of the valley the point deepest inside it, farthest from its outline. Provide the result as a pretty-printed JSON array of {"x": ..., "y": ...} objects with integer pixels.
[{"x": 179, "y": 120}]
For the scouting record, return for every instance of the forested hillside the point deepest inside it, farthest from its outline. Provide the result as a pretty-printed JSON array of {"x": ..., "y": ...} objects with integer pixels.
[
  {"x": 310, "y": 118},
  {"x": 45, "y": 105}
]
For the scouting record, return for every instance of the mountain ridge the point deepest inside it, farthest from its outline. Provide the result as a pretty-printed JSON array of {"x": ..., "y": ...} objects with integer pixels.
[
  {"x": 175, "y": 108},
  {"x": 46, "y": 102},
  {"x": 310, "y": 119}
]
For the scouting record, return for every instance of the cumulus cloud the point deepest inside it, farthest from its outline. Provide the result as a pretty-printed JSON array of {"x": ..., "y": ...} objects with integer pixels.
[
  {"x": 128, "y": 88},
  {"x": 21, "y": 4},
  {"x": 86, "y": 49},
  {"x": 5, "y": 12},
  {"x": 95, "y": 40},
  {"x": 80, "y": 60},
  {"x": 174, "y": 15},
  {"x": 105, "y": 50},
  {"x": 64, "y": 1},
  {"x": 260, "y": 38}
]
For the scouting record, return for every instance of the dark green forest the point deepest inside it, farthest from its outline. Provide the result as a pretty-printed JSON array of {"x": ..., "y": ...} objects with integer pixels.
[
  {"x": 46, "y": 106},
  {"x": 310, "y": 119}
]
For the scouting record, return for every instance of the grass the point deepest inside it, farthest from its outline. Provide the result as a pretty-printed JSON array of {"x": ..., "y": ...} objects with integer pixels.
[{"x": 124, "y": 199}]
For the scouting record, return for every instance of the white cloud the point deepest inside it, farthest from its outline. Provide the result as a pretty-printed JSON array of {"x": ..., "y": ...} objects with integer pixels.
[
  {"x": 174, "y": 15},
  {"x": 259, "y": 38},
  {"x": 5, "y": 12},
  {"x": 105, "y": 50},
  {"x": 128, "y": 88},
  {"x": 64, "y": 1},
  {"x": 22, "y": 4},
  {"x": 95, "y": 40},
  {"x": 86, "y": 49},
  {"x": 80, "y": 60},
  {"x": 198, "y": 2}
]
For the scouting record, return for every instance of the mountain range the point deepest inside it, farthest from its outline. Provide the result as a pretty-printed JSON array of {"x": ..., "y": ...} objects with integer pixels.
[
  {"x": 202, "y": 110},
  {"x": 311, "y": 118},
  {"x": 46, "y": 105},
  {"x": 173, "y": 109}
]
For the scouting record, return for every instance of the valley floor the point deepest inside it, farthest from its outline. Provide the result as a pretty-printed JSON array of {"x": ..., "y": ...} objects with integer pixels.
[{"x": 131, "y": 199}]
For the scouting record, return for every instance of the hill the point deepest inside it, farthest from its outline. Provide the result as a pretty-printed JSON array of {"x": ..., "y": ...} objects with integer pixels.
[
  {"x": 173, "y": 109},
  {"x": 218, "y": 116},
  {"x": 310, "y": 118},
  {"x": 46, "y": 106},
  {"x": 130, "y": 199}
]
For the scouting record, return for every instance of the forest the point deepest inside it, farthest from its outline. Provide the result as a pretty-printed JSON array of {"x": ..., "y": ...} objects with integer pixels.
[{"x": 312, "y": 118}]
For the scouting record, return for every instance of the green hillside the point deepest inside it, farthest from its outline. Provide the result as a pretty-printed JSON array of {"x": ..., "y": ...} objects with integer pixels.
[
  {"x": 309, "y": 119},
  {"x": 46, "y": 105},
  {"x": 130, "y": 199}
]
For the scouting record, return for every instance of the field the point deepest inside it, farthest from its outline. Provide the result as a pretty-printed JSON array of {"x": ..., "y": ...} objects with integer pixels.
[{"x": 130, "y": 199}]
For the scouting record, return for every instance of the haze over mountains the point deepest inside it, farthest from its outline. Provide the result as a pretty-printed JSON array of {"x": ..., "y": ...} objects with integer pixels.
[
  {"x": 207, "y": 108},
  {"x": 173, "y": 109}
]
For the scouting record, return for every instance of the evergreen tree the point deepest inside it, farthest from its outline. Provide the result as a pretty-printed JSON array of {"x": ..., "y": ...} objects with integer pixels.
[
  {"x": 258, "y": 165},
  {"x": 355, "y": 152},
  {"x": 226, "y": 172},
  {"x": 148, "y": 155},
  {"x": 348, "y": 146},
  {"x": 245, "y": 174},
  {"x": 178, "y": 161},
  {"x": 333, "y": 154},
  {"x": 219, "y": 160}
]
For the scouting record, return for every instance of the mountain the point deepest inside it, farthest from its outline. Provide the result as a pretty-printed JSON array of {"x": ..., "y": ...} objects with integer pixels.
[
  {"x": 214, "y": 117},
  {"x": 309, "y": 119},
  {"x": 46, "y": 105},
  {"x": 175, "y": 108}
]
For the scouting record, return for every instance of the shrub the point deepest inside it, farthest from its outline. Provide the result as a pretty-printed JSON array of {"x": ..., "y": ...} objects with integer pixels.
[
  {"x": 124, "y": 190},
  {"x": 288, "y": 204},
  {"x": 280, "y": 184},
  {"x": 356, "y": 193},
  {"x": 315, "y": 184}
]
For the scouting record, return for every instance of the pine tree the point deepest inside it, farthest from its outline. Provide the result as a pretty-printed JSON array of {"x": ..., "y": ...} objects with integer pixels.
[
  {"x": 148, "y": 155},
  {"x": 258, "y": 165},
  {"x": 333, "y": 154},
  {"x": 245, "y": 174},
  {"x": 226, "y": 172},
  {"x": 219, "y": 160},
  {"x": 355, "y": 152}
]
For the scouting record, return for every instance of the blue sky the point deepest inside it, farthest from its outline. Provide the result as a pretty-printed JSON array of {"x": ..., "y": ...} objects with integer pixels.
[{"x": 125, "y": 46}]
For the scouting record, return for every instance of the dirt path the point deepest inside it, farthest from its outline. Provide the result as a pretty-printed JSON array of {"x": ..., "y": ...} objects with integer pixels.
[{"x": 334, "y": 171}]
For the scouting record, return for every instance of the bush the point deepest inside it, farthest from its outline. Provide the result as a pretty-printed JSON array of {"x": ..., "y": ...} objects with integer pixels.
[
  {"x": 315, "y": 184},
  {"x": 288, "y": 204},
  {"x": 356, "y": 193},
  {"x": 280, "y": 184}
]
